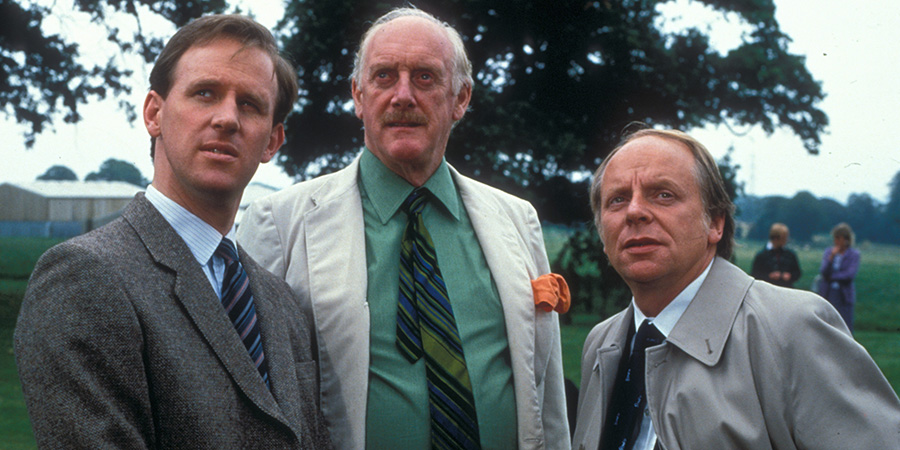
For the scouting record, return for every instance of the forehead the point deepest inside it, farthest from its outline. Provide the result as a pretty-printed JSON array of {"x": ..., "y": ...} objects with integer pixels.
[
  {"x": 409, "y": 40},
  {"x": 651, "y": 159},
  {"x": 224, "y": 58}
]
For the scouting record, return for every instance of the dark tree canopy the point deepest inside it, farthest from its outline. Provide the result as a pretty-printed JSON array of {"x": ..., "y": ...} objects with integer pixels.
[
  {"x": 41, "y": 78},
  {"x": 556, "y": 81},
  {"x": 58, "y": 173},
  {"x": 118, "y": 170}
]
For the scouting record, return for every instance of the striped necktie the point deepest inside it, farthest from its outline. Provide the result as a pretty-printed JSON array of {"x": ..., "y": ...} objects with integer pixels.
[
  {"x": 426, "y": 327},
  {"x": 623, "y": 417},
  {"x": 238, "y": 302}
]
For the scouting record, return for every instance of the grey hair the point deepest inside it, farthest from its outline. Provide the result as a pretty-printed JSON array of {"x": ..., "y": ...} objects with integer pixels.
[{"x": 460, "y": 66}]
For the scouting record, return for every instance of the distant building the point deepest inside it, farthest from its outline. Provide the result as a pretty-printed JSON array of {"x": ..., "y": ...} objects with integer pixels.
[
  {"x": 69, "y": 208},
  {"x": 60, "y": 208}
]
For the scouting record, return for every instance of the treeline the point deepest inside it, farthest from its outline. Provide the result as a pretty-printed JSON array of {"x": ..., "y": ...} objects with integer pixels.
[{"x": 808, "y": 216}]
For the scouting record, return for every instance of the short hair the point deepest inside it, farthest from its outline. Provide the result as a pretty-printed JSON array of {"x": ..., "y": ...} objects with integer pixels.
[
  {"x": 460, "y": 66},
  {"x": 778, "y": 230},
  {"x": 243, "y": 29},
  {"x": 716, "y": 202},
  {"x": 843, "y": 230}
]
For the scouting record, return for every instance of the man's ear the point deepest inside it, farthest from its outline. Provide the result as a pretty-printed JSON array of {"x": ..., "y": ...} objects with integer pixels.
[
  {"x": 153, "y": 113},
  {"x": 276, "y": 139},
  {"x": 462, "y": 102},
  {"x": 357, "y": 99},
  {"x": 716, "y": 230}
]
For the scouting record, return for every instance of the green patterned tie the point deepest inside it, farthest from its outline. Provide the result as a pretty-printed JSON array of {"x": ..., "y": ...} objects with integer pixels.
[{"x": 426, "y": 327}]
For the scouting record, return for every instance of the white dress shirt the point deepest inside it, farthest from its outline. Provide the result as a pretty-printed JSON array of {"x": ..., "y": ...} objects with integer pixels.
[
  {"x": 665, "y": 321},
  {"x": 201, "y": 238}
]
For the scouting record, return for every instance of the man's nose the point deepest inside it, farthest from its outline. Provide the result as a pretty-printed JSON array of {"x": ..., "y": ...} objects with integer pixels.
[
  {"x": 638, "y": 210},
  {"x": 226, "y": 116},
  {"x": 403, "y": 93}
]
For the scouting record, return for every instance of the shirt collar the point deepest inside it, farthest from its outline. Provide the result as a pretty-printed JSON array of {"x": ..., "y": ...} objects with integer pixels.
[
  {"x": 387, "y": 190},
  {"x": 201, "y": 238},
  {"x": 667, "y": 318}
]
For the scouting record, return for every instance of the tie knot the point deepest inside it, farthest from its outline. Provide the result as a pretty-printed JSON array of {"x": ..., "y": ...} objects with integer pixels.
[
  {"x": 647, "y": 336},
  {"x": 416, "y": 201},
  {"x": 227, "y": 251}
]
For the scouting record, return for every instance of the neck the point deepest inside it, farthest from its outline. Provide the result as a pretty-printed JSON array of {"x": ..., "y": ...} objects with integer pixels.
[
  {"x": 217, "y": 211},
  {"x": 652, "y": 297}
]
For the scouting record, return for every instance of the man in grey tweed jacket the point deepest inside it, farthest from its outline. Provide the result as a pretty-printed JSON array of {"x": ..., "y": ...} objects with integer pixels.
[{"x": 122, "y": 340}]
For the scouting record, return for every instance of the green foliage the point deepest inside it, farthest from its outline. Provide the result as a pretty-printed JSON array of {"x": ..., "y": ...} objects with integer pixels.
[
  {"x": 556, "y": 81},
  {"x": 595, "y": 286},
  {"x": 58, "y": 173},
  {"x": 41, "y": 78},
  {"x": 118, "y": 170}
]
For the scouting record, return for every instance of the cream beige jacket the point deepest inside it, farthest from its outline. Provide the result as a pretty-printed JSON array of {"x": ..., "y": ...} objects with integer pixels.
[{"x": 311, "y": 234}]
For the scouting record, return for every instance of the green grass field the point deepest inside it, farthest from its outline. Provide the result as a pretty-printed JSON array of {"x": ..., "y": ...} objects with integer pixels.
[
  {"x": 877, "y": 316},
  {"x": 877, "y": 321}
]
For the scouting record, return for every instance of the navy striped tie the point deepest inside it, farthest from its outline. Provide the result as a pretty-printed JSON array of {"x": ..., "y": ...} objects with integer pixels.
[
  {"x": 238, "y": 302},
  {"x": 426, "y": 327}
]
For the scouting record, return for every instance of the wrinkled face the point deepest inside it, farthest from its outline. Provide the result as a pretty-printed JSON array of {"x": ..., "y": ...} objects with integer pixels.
[
  {"x": 653, "y": 224},
  {"x": 404, "y": 97},
  {"x": 215, "y": 126}
]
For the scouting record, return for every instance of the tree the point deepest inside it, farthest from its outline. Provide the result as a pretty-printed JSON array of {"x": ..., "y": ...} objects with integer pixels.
[
  {"x": 865, "y": 217},
  {"x": 118, "y": 170},
  {"x": 556, "y": 81},
  {"x": 892, "y": 210},
  {"x": 58, "y": 173},
  {"x": 41, "y": 77}
]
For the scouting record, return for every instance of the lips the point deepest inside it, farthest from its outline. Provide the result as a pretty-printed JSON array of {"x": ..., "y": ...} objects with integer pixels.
[
  {"x": 219, "y": 148},
  {"x": 641, "y": 244}
]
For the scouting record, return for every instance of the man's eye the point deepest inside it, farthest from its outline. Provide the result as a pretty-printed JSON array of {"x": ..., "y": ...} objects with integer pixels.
[
  {"x": 426, "y": 77},
  {"x": 204, "y": 93}
]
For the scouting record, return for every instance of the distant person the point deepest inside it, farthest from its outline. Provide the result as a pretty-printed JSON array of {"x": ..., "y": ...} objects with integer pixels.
[
  {"x": 155, "y": 331},
  {"x": 730, "y": 362},
  {"x": 838, "y": 270},
  {"x": 420, "y": 278},
  {"x": 776, "y": 263}
]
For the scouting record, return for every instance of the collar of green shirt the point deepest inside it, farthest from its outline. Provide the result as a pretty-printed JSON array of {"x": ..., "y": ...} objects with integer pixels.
[{"x": 387, "y": 191}]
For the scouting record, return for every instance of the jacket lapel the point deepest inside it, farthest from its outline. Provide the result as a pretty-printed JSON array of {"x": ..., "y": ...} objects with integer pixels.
[
  {"x": 703, "y": 330},
  {"x": 336, "y": 253},
  {"x": 603, "y": 378},
  {"x": 192, "y": 290},
  {"x": 511, "y": 270}
]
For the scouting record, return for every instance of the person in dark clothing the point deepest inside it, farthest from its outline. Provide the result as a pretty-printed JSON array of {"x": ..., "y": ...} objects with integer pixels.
[{"x": 776, "y": 263}]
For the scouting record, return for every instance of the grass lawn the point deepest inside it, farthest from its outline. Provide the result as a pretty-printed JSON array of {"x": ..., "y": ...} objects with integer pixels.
[
  {"x": 877, "y": 316},
  {"x": 877, "y": 311}
]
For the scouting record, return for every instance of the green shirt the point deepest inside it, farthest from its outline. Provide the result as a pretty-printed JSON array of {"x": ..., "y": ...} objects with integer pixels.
[{"x": 397, "y": 415}]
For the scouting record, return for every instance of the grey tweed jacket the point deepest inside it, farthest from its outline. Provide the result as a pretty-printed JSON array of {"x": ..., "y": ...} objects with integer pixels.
[{"x": 122, "y": 343}]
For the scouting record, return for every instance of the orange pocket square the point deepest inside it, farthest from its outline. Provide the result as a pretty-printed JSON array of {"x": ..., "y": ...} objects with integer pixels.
[{"x": 551, "y": 293}]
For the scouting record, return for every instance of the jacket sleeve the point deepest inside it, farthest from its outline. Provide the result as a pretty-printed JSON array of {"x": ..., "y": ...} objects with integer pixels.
[
  {"x": 848, "y": 269},
  {"x": 78, "y": 347},
  {"x": 759, "y": 267},
  {"x": 554, "y": 414},
  {"x": 794, "y": 266},
  {"x": 835, "y": 395}
]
